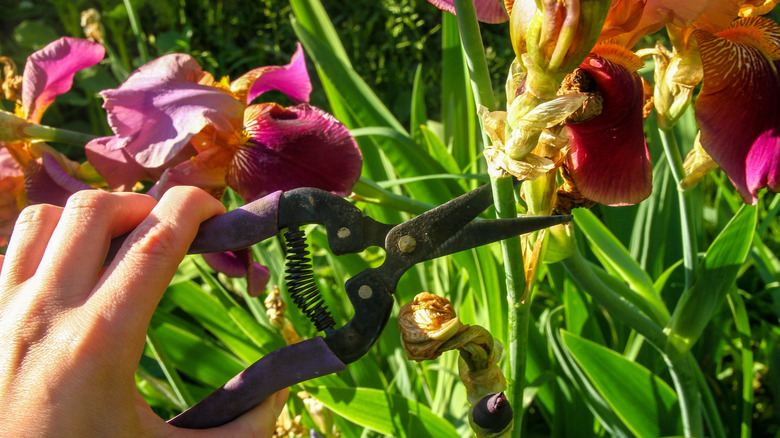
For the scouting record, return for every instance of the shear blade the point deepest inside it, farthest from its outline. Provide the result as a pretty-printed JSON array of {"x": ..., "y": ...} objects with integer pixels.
[{"x": 483, "y": 232}]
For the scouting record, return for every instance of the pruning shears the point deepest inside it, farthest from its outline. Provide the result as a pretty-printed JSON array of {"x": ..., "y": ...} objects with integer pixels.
[{"x": 444, "y": 230}]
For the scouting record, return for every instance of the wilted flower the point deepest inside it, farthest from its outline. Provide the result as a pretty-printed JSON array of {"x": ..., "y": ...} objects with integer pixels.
[
  {"x": 12, "y": 198},
  {"x": 489, "y": 11},
  {"x": 276, "y": 309},
  {"x": 171, "y": 116},
  {"x": 426, "y": 323}
]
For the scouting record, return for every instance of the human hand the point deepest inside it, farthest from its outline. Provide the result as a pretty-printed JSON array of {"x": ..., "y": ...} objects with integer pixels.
[{"x": 73, "y": 332}]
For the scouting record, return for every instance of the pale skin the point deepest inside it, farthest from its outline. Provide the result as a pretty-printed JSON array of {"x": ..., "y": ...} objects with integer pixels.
[{"x": 73, "y": 332}]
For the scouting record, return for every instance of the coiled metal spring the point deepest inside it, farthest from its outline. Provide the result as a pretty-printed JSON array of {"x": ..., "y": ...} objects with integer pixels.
[{"x": 300, "y": 281}]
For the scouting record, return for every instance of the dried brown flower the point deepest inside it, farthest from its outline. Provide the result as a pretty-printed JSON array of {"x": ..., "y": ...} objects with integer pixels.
[{"x": 426, "y": 323}]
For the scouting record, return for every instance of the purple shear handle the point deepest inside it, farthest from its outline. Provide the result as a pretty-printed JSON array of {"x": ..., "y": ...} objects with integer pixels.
[
  {"x": 236, "y": 229},
  {"x": 275, "y": 371},
  {"x": 239, "y": 228}
]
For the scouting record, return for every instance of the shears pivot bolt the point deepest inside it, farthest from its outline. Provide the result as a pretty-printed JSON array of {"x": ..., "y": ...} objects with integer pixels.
[{"x": 407, "y": 243}]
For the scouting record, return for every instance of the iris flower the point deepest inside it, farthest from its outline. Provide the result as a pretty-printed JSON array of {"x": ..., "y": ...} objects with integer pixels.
[
  {"x": 737, "y": 109},
  {"x": 608, "y": 161},
  {"x": 33, "y": 172},
  {"x": 175, "y": 123},
  {"x": 488, "y": 11}
]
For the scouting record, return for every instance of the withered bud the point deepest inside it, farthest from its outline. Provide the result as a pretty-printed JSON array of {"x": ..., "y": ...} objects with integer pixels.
[
  {"x": 275, "y": 309},
  {"x": 568, "y": 197},
  {"x": 319, "y": 413},
  {"x": 579, "y": 81},
  {"x": 12, "y": 83},
  {"x": 90, "y": 22},
  {"x": 426, "y": 323}
]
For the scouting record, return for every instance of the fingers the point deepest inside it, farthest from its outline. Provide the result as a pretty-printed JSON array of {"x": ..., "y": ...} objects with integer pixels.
[
  {"x": 31, "y": 234},
  {"x": 131, "y": 287},
  {"x": 72, "y": 261}
]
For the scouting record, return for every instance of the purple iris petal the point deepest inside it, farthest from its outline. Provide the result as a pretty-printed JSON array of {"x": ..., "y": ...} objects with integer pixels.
[
  {"x": 163, "y": 104},
  {"x": 49, "y": 72},
  {"x": 291, "y": 79},
  {"x": 300, "y": 146},
  {"x": 240, "y": 263},
  {"x": 119, "y": 168},
  {"x": 488, "y": 11},
  {"x": 228, "y": 263},
  {"x": 49, "y": 183}
]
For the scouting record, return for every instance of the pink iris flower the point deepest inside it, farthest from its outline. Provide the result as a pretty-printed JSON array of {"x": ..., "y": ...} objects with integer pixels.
[
  {"x": 488, "y": 11},
  {"x": 175, "y": 123},
  {"x": 24, "y": 178}
]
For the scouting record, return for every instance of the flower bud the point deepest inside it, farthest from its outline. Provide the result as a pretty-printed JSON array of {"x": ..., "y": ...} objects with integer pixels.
[
  {"x": 492, "y": 416},
  {"x": 556, "y": 34},
  {"x": 426, "y": 323}
]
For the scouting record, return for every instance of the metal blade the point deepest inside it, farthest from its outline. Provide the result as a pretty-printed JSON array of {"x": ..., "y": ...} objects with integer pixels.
[{"x": 483, "y": 232}]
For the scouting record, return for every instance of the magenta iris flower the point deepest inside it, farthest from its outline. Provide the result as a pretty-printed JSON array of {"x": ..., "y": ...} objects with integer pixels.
[
  {"x": 175, "y": 123},
  {"x": 28, "y": 176},
  {"x": 609, "y": 162},
  {"x": 488, "y": 11},
  {"x": 737, "y": 109}
]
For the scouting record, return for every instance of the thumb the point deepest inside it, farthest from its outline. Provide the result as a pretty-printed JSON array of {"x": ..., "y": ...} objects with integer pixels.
[{"x": 259, "y": 422}]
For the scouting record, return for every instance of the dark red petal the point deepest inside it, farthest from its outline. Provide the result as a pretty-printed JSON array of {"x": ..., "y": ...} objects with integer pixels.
[
  {"x": 737, "y": 109},
  {"x": 300, "y": 146},
  {"x": 608, "y": 161}
]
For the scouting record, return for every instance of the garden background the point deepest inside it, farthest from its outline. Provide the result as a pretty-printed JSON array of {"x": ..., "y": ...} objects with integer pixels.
[{"x": 394, "y": 72}]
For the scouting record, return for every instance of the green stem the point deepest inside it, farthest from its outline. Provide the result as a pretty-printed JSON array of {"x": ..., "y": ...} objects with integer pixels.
[
  {"x": 48, "y": 133},
  {"x": 689, "y": 244},
  {"x": 519, "y": 307},
  {"x": 616, "y": 306},
  {"x": 688, "y": 394},
  {"x": 742, "y": 325},
  {"x": 139, "y": 35},
  {"x": 714, "y": 421},
  {"x": 471, "y": 39},
  {"x": 679, "y": 368}
]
